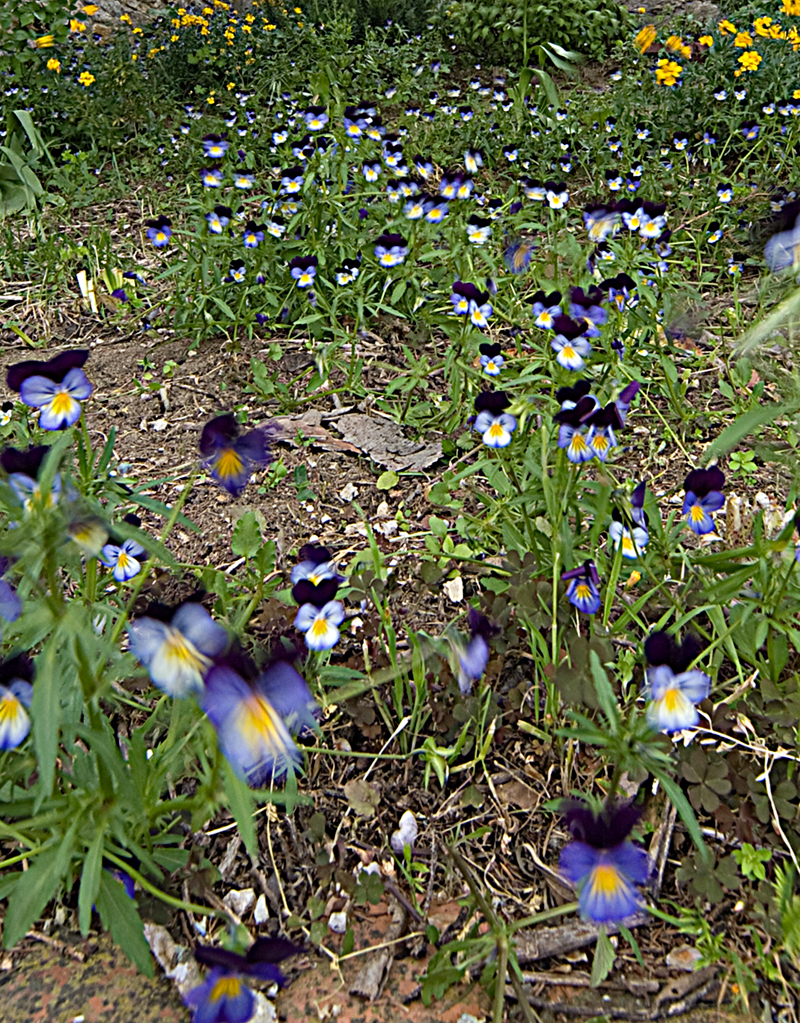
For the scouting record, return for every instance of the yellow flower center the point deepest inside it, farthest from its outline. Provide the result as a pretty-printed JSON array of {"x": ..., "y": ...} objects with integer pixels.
[
  {"x": 225, "y": 987},
  {"x": 229, "y": 464},
  {"x": 9, "y": 708},
  {"x": 605, "y": 879},
  {"x": 61, "y": 403}
]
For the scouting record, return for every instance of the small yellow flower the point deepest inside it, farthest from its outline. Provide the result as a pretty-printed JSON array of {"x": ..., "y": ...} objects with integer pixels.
[
  {"x": 43, "y": 41},
  {"x": 633, "y": 579},
  {"x": 174, "y": 39},
  {"x": 134, "y": 56},
  {"x": 76, "y": 26},
  {"x": 270, "y": 28},
  {"x": 726, "y": 27},
  {"x": 743, "y": 40},
  {"x": 126, "y": 18},
  {"x": 249, "y": 18},
  {"x": 54, "y": 65},
  {"x": 761, "y": 26},
  {"x": 796, "y": 94},
  {"x": 750, "y": 60},
  {"x": 668, "y": 72},
  {"x": 297, "y": 10},
  {"x": 90, "y": 9},
  {"x": 674, "y": 43},
  {"x": 706, "y": 40},
  {"x": 86, "y": 78},
  {"x": 210, "y": 100},
  {"x": 230, "y": 85},
  {"x": 137, "y": 32},
  {"x": 776, "y": 32},
  {"x": 645, "y": 37}
]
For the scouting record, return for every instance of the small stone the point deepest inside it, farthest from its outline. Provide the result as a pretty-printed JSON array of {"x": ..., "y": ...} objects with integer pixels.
[
  {"x": 454, "y": 588},
  {"x": 683, "y": 958},
  {"x": 159, "y": 425},
  {"x": 406, "y": 833},
  {"x": 261, "y": 912},
  {"x": 337, "y": 922},
  {"x": 348, "y": 493},
  {"x": 383, "y": 511},
  {"x": 240, "y": 901}
]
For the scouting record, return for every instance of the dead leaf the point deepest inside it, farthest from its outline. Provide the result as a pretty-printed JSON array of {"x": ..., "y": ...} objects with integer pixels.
[
  {"x": 362, "y": 797},
  {"x": 518, "y": 794},
  {"x": 385, "y": 442}
]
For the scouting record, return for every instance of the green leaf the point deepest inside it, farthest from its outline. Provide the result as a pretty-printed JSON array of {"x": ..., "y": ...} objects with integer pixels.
[
  {"x": 36, "y": 888},
  {"x": 246, "y": 540},
  {"x": 387, "y": 480},
  {"x": 90, "y": 880},
  {"x": 628, "y": 936},
  {"x": 742, "y": 427},
  {"x": 118, "y": 913},
  {"x": 605, "y": 694},
  {"x": 46, "y": 715},
  {"x": 241, "y": 803},
  {"x": 681, "y": 804},
  {"x": 604, "y": 955}
]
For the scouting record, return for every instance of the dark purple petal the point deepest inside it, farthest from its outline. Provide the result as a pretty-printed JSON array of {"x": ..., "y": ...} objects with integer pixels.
[
  {"x": 314, "y": 553},
  {"x": 272, "y": 950},
  {"x": 219, "y": 432},
  {"x": 609, "y": 829},
  {"x": 660, "y": 648},
  {"x": 20, "y": 666},
  {"x": 492, "y": 401},
  {"x": 28, "y": 462},
  {"x": 305, "y": 592},
  {"x": 54, "y": 369}
]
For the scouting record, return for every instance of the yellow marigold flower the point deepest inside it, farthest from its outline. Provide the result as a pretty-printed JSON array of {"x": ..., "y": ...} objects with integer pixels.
[
  {"x": 90, "y": 9},
  {"x": 726, "y": 27},
  {"x": 706, "y": 40},
  {"x": 208, "y": 11},
  {"x": 668, "y": 72},
  {"x": 761, "y": 26},
  {"x": 750, "y": 60},
  {"x": 743, "y": 40},
  {"x": 674, "y": 43},
  {"x": 76, "y": 26},
  {"x": 246, "y": 28},
  {"x": 43, "y": 41},
  {"x": 86, "y": 78},
  {"x": 54, "y": 65},
  {"x": 645, "y": 37},
  {"x": 776, "y": 32},
  {"x": 790, "y": 7}
]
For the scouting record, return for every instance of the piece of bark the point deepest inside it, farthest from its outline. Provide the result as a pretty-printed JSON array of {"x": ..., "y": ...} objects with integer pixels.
[{"x": 372, "y": 976}]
